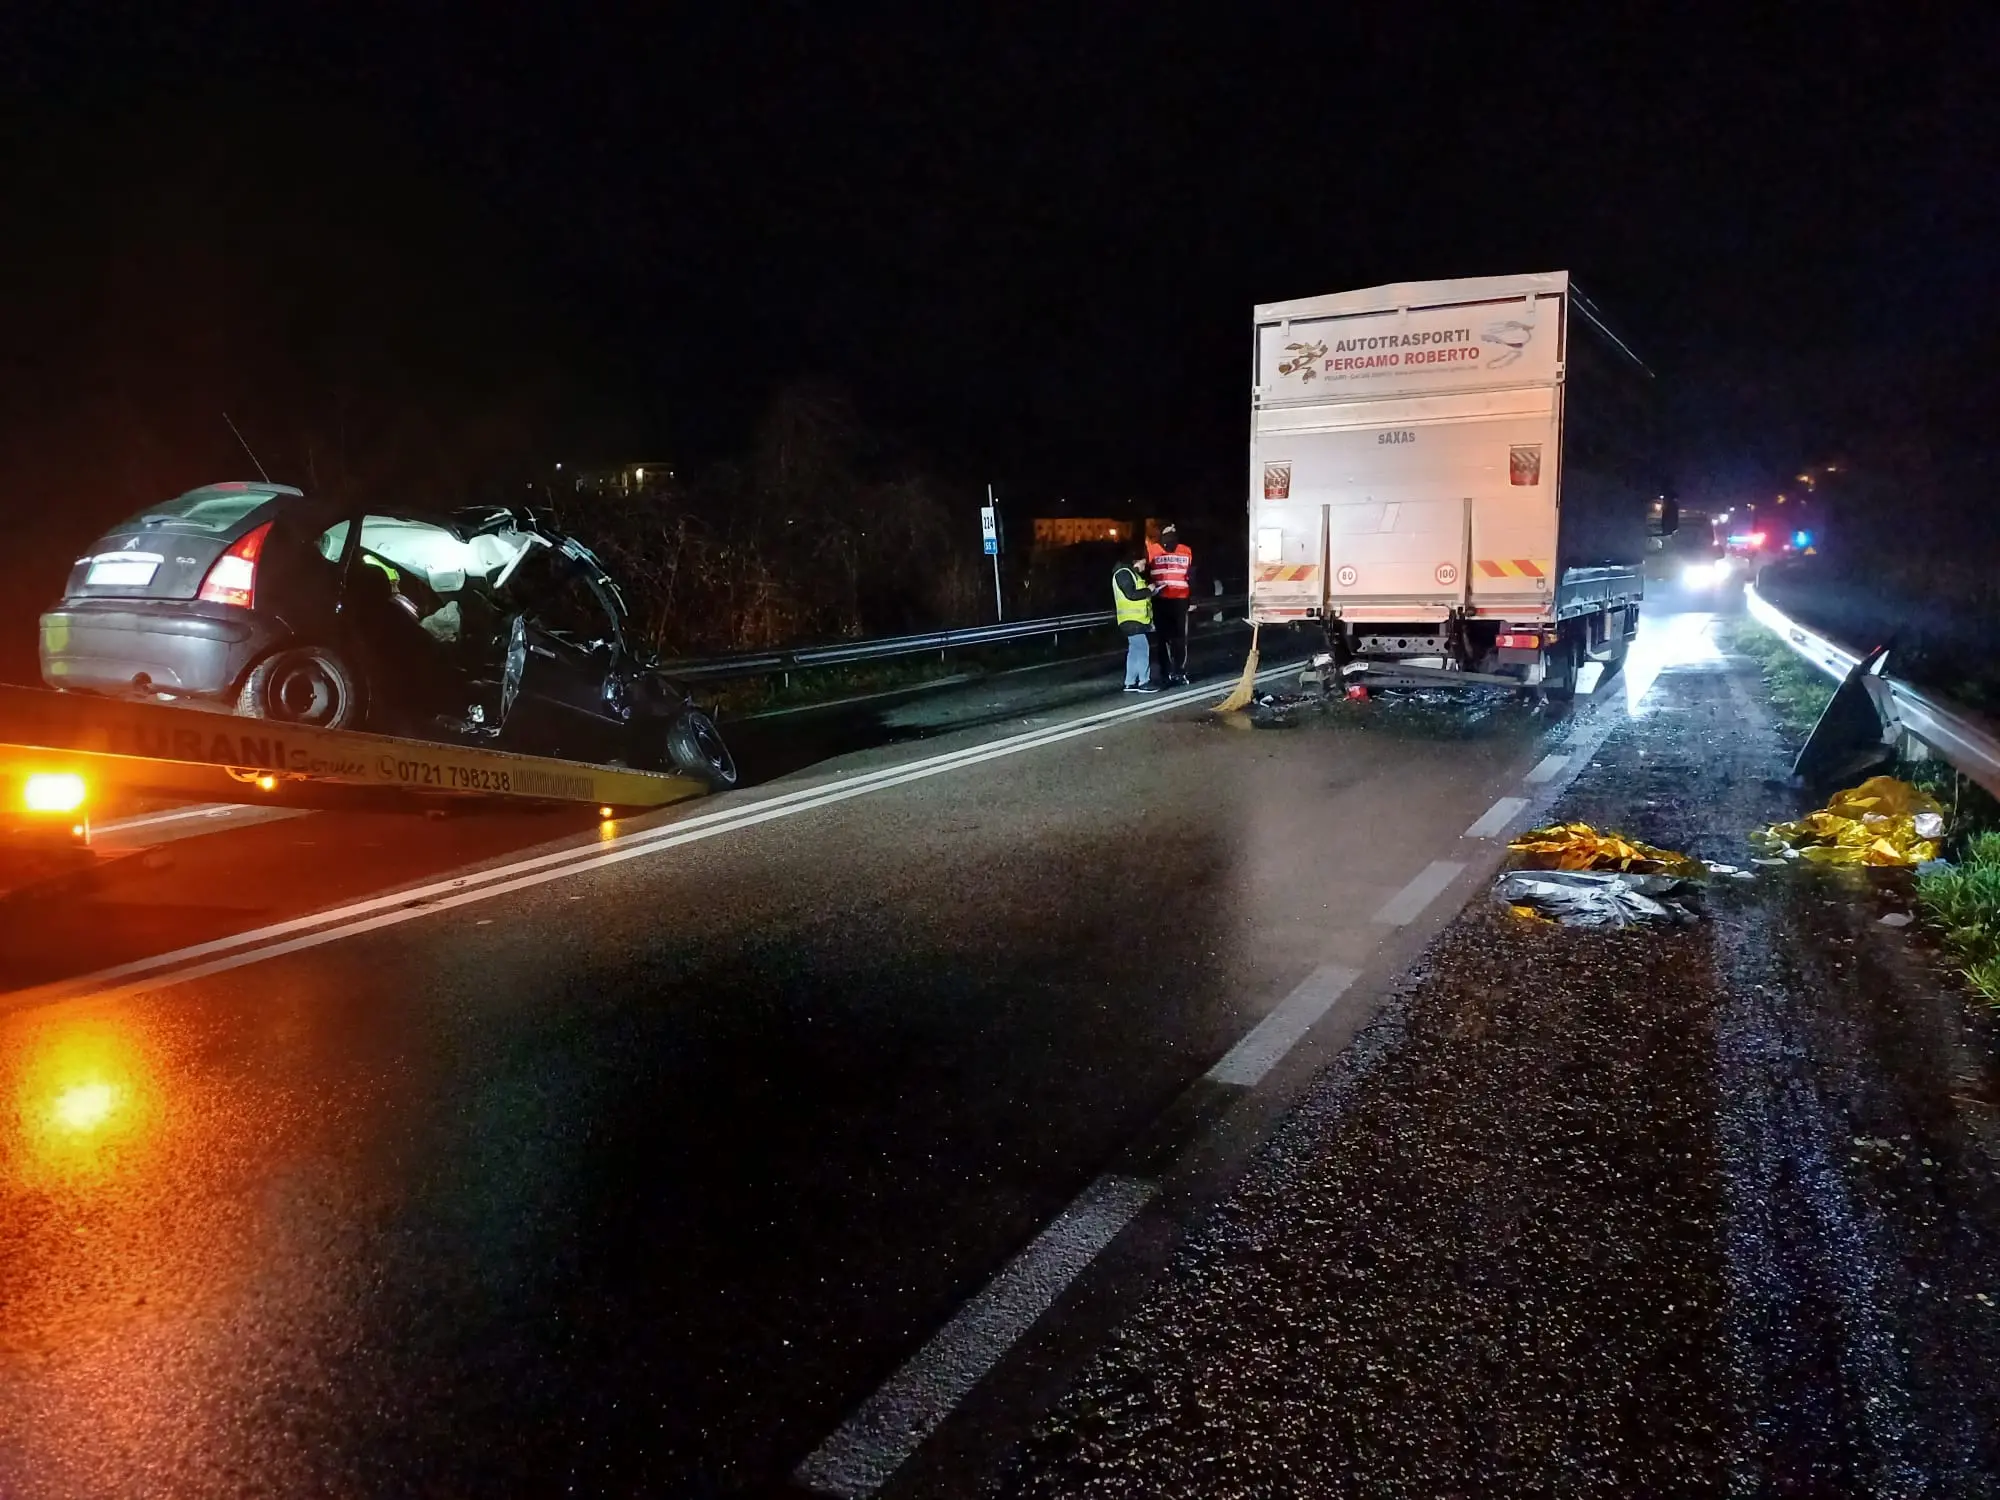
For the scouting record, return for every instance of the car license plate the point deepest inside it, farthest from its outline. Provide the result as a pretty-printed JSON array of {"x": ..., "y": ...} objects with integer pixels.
[{"x": 127, "y": 571}]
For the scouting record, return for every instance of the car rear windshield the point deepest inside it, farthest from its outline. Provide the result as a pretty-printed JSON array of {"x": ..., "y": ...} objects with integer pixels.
[{"x": 202, "y": 510}]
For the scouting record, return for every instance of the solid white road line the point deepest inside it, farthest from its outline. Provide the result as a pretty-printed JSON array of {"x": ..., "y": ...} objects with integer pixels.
[
  {"x": 891, "y": 1424},
  {"x": 1271, "y": 1038},
  {"x": 1408, "y": 904},
  {"x": 402, "y": 906},
  {"x": 1496, "y": 817},
  {"x": 166, "y": 828},
  {"x": 1547, "y": 768},
  {"x": 148, "y": 820}
]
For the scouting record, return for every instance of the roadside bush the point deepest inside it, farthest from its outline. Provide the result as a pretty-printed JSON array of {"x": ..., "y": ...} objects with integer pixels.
[{"x": 802, "y": 543}]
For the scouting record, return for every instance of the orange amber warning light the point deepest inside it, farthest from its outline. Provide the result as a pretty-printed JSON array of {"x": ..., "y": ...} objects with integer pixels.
[{"x": 53, "y": 792}]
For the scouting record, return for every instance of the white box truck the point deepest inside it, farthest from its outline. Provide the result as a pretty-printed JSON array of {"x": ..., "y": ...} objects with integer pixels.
[{"x": 1452, "y": 480}]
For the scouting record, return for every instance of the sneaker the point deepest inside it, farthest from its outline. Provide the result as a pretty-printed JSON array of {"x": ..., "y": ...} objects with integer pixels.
[
  {"x": 1147, "y": 687},
  {"x": 1131, "y": 687}
]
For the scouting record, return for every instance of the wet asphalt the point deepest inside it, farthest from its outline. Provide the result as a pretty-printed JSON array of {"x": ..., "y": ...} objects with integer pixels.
[
  {"x": 637, "y": 1181},
  {"x": 1712, "y": 1211},
  {"x": 640, "y": 1180}
]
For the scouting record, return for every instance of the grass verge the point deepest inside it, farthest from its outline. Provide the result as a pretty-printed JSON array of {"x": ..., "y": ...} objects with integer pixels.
[
  {"x": 1799, "y": 692},
  {"x": 1964, "y": 901},
  {"x": 1961, "y": 899}
]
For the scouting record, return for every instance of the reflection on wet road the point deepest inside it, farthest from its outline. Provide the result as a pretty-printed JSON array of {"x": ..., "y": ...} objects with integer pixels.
[
  {"x": 1663, "y": 642},
  {"x": 643, "y": 1177}
]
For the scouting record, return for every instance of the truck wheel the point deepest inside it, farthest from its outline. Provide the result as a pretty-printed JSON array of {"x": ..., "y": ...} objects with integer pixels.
[
  {"x": 308, "y": 685},
  {"x": 695, "y": 748},
  {"x": 1559, "y": 669}
]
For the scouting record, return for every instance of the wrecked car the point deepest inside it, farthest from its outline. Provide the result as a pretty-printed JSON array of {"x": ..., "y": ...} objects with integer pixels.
[{"x": 482, "y": 626}]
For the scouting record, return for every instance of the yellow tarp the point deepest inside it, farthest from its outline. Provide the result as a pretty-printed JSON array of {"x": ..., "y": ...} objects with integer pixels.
[
  {"x": 1578, "y": 846},
  {"x": 1881, "y": 822}
]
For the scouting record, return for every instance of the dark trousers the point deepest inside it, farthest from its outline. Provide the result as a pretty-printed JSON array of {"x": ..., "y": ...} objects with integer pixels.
[{"x": 1170, "y": 629}]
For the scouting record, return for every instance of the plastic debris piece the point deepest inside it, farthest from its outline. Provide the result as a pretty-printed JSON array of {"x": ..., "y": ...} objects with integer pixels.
[
  {"x": 1598, "y": 898},
  {"x": 1578, "y": 846},
  {"x": 1882, "y": 822}
]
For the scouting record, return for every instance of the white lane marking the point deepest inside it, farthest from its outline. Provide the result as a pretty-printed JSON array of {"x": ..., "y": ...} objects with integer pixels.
[
  {"x": 130, "y": 836},
  {"x": 148, "y": 820},
  {"x": 1496, "y": 817},
  {"x": 1547, "y": 768},
  {"x": 1408, "y": 904},
  {"x": 891, "y": 1424},
  {"x": 1271, "y": 1038},
  {"x": 403, "y": 906}
]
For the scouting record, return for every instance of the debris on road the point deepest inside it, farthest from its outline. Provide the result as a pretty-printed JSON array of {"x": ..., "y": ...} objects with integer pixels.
[
  {"x": 1597, "y": 898},
  {"x": 1883, "y": 822},
  {"x": 1578, "y": 846}
]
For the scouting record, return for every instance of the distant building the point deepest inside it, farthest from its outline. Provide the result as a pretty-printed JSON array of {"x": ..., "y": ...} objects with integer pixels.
[
  {"x": 625, "y": 479},
  {"x": 1071, "y": 531}
]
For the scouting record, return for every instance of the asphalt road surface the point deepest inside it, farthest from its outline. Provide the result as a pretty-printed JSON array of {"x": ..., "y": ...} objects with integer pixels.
[{"x": 708, "y": 1153}]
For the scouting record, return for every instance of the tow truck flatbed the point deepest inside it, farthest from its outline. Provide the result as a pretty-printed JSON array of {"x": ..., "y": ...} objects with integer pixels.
[{"x": 171, "y": 750}]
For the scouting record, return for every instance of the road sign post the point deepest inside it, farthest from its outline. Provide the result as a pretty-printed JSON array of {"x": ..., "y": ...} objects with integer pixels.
[{"x": 989, "y": 529}]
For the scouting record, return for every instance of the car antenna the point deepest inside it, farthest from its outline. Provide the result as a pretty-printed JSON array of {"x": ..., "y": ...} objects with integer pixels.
[{"x": 247, "y": 449}]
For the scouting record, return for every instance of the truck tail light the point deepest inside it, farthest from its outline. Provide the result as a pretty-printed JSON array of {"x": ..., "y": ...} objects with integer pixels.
[
  {"x": 232, "y": 579},
  {"x": 1522, "y": 641}
]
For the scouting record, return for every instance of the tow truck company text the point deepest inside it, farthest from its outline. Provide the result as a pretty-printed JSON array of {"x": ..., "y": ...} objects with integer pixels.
[{"x": 1443, "y": 346}]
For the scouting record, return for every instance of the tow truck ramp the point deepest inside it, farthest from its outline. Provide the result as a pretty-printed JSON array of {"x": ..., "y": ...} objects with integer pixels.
[{"x": 176, "y": 751}]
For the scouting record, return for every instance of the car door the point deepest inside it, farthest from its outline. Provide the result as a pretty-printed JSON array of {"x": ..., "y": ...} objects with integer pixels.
[
  {"x": 571, "y": 697},
  {"x": 419, "y": 617}
]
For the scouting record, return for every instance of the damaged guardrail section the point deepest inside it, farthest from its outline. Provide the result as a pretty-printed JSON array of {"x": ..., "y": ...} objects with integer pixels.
[{"x": 1953, "y": 733}]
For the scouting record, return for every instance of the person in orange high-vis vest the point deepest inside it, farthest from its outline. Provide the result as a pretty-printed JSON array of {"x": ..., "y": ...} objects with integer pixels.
[{"x": 1170, "y": 564}]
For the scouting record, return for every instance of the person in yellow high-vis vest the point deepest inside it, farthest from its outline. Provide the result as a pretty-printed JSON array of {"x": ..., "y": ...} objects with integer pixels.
[{"x": 1132, "y": 599}]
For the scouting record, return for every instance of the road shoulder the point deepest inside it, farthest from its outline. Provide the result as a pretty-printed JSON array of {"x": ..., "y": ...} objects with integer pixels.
[{"x": 1583, "y": 1213}]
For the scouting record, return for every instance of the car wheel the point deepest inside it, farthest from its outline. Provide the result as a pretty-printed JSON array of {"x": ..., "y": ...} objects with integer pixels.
[
  {"x": 695, "y": 748},
  {"x": 307, "y": 685}
]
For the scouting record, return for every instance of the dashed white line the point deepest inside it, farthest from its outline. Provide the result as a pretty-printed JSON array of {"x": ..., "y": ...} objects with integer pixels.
[
  {"x": 1408, "y": 904},
  {"x": 1547, "y": 768},
  {"x": 1271, "y": 1038},
  {"x": 891, "y": 1424},
  {"x": 1496, "y": 817}
]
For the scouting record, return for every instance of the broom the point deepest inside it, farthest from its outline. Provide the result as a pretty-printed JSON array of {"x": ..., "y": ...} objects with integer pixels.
[{"x": 1239, "y": 697}]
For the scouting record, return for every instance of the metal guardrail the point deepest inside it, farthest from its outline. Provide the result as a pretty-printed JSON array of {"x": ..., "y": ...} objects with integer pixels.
[
  {"x": 1955, "y": 733},
  {"x": 882, "y": 648}
]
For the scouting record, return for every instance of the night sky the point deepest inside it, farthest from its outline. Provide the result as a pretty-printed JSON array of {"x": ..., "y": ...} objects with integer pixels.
[{"x": 1027, "y": 253}]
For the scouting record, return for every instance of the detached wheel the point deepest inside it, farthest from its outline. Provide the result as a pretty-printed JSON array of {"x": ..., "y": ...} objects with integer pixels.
[
  {"x": 307, "y": 685},
  {"x": 695, "y": 748}
]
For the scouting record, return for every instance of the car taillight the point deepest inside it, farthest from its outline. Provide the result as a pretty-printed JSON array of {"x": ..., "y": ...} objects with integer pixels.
[
  {"x": 233, "y": 577},
  {"x": 1527, "y": 642}
]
